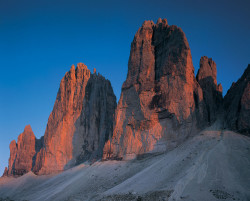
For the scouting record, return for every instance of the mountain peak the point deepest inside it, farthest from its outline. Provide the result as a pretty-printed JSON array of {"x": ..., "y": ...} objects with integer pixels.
[
  {"x": 82, "y": 66},
  {"x": 207, "y": 69},
  {"x": 28, "y": 129},
  {"x": 212, "y": 93},
  {"x": 69, "y": 128},
  {"x": 147, "y": 24},
  {"x": 160, "y": 91},
  {"x": 163, "y": 22}
]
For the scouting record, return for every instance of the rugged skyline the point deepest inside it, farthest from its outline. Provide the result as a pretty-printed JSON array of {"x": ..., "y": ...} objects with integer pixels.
[
  {"x": 162, "y": 105},
  {"x": 30, "y": 86},
  {"x": 172, "y": 135}
]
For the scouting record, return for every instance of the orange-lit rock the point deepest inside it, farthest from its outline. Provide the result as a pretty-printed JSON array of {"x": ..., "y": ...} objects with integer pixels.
[
  {"x": 58, "y": 147},
  {"x": 13, "y": 153},
  {"x": 26, "y": 151},
  {"x": 23, "y": 153},
  {"x": 212, "y": 93},
  {"x": 237, "y": 104},
  {"x": 81, "y": 119},
  {"x": 161, "y": 103}
]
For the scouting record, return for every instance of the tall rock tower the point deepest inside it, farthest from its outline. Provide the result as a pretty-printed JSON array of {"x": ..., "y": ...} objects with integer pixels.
[
  {"x": 68, "y": 139},
  {"x": 161, "y": 103},
  {"x": 212, "y": 93},
  {"x": 23, "y": 153}
]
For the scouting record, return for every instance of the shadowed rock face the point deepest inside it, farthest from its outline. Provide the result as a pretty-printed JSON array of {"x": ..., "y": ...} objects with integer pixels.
[
  {"x": 161, "y": 102},
  {"x": 95, "y": 123},
  {"x": 237, "y": 104},
  {"x": 22, "y": 153},
  {"x": 80, "y": 120},
  {"x": 212, "y": 93}
]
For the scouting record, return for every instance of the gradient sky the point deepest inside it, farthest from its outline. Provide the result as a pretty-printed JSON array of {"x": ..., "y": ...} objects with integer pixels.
[{"x": 41, "y": 39}]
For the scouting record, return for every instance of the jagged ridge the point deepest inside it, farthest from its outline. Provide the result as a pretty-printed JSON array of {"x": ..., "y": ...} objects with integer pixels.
[{"x": 161, "y": 105}]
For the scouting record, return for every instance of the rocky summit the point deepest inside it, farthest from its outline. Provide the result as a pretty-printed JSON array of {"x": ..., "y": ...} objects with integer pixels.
[
  {"x": 212, "y": 93},
  {"x": 23, "y": 153},
  {"x": 95, "y": 123},
  {"x": 80, "y": 122},
  {"x": 161, "y": 103},
  {"x": 58, "y": 147}
]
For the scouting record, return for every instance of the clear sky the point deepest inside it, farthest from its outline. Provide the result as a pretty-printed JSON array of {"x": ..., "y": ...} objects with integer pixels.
[{"x": 40, "y": 40}]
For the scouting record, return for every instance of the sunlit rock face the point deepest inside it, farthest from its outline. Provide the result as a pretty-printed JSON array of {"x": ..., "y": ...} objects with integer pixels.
[
  {"x": 237, "y": 104},
  {"x": 212, "y": 93},
  {"x": 57, "y": 150},
  {"x": 13, "y": 153},
  {"x": 161, "y": 103},
  {"x": 68, "y": 139},
  {"x": 23, "y": 153}
]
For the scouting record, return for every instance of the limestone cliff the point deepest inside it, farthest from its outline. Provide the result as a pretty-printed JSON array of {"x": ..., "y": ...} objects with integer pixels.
[
  {"x": 212, "y": 93},
  {"x": 80, "y": 120},
  {"x": 237, "y": 104},
  {"x": 161, "y": 103},
  {"x": 57, "y": 150},
  {"x": 95, "y": 123},
  {"x": 23, "y": 153}
]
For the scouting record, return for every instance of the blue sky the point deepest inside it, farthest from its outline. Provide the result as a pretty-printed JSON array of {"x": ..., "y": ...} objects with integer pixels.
[{"x": 40, "y": 40}]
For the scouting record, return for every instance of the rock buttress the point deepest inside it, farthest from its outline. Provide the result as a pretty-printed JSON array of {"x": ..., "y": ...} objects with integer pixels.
[
  {"x": 237, "y": 104},
  {"x": 79, "y": 123},
  {"x": 161, "y": 102},
  {"x": 212, "y": 93}
]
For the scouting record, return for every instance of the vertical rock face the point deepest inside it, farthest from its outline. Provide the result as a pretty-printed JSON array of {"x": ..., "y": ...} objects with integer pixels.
[
  {"x": 79, "y": 123},
  {"x": 161, "y": 101},
  {"x": 26, "y": 151},
  {"x": 77, "y": 129},
  {"x": 212, "y": 93},
  {"x": 22, "y": 153},
  {"x": 95, "y": 123},
  {"x": 237, "y": 104},
  {"x": 57, "y": 150},
  {"x": 13, "y": 153}
]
